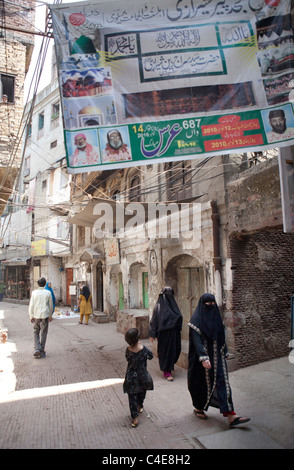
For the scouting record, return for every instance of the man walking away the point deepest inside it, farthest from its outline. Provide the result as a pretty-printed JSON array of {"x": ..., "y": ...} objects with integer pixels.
[{"x": 40, "y": 311}]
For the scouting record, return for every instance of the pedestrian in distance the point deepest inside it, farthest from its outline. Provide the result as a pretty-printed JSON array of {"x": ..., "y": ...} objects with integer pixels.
[
  {"x": 49, "y": 287},
  {"x": 40, "y": 311},
  {"x": 208, "y": 380},
  {"x": 165, "y": 325},
  {"x": 137, "y": 379},
  {"x": 85, "y": 305}
]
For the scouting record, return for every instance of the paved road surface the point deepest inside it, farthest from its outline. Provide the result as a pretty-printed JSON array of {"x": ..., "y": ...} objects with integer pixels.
[{"x": 73, "y": 398}]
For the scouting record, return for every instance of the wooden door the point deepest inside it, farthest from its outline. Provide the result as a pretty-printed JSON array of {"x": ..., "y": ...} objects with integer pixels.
[
  {"x": 191, "y": 285},
  {"x": 99, "y": 291},
  {"x": 69, "y": 279},
  {"x": 145, "y": 290},
  {"x": 121, "y": 301}
]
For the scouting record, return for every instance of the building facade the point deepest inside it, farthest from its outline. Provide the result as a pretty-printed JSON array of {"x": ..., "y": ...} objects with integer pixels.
[
  {"x": 239, "y": 211},
  {"x": 16, "y": 48},
  {"x": 215, "y": 225},
  {"x": 258, "y": 305},
  {"x": 36, "y": 234}
]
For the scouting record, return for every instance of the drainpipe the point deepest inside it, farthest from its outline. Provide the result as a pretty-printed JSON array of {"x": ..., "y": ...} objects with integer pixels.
[
  {"x": 292, "y": 323},
  {"x": 215, "y": 232},
  {"x": 216, "y": 252}
]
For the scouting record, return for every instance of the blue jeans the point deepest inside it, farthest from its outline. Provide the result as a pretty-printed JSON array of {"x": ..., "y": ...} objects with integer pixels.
[{"x": 40, "y": 333}]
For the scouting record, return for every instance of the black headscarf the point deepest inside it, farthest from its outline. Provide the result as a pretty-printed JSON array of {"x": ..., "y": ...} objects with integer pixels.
[
  {"x": 166, "y": 313},
  {"x": 208, "y": 319},
  {"x": 86, "y": 292}
]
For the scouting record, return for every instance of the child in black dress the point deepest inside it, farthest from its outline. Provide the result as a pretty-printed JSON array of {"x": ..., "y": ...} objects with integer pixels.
[{"x": 137, "y": 379}]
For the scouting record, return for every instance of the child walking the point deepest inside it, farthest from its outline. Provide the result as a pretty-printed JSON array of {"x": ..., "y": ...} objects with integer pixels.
[{"x": 137, "y": 379}]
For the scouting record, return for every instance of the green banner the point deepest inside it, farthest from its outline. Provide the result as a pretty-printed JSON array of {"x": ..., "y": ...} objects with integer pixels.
[{"x": 156, "y": 141}]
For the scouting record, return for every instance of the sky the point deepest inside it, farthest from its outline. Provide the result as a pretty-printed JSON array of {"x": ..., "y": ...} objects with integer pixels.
[
  {"x": 46, "y": 73},
  {"x": 40, "y": 26}
]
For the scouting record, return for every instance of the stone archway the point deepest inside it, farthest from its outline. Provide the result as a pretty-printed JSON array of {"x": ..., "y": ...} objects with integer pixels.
[
  {"x": 99, "y": 287},
  {"x": 136, "y": 273},
  {"x": 186, "y": 277},
  {"x": 135, "y": 315}
]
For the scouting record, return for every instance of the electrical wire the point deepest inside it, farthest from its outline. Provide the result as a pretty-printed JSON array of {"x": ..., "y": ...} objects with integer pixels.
[
  {"x": 152, "y": 188},
  {"x": 37, "y": 75},
  {"x": 146, "y": 189}
]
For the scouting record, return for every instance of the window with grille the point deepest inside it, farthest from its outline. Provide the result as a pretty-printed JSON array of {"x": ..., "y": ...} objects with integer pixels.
[
  {"x": 55, "y": 111},
  {"x": 41, "y": 120},
  {"x": 178, "y": 180},
  {"x": 29, "y": 130},
  {"x": 27, "y": 166},
  {"x": 134, "y": 194}
]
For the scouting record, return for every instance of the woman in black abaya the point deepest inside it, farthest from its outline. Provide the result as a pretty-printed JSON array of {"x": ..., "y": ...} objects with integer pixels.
[
  {"x": 208, "y": 380},
  {"x": 166, "y": 325}
]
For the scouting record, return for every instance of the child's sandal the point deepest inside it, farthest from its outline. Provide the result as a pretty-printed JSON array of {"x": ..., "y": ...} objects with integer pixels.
[{"x": 200, "y": 414}]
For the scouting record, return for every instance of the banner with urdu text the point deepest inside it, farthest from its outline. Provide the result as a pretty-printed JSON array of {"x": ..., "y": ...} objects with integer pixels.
[{"x": 148, "y": 81}]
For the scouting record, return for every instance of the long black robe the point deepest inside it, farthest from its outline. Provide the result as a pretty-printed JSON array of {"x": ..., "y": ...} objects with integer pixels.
[
  {"x": 208, "y": 387},
  {"x": 166, "y": 325}
]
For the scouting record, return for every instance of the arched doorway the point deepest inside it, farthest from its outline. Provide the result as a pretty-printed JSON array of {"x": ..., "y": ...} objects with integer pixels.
[
  {"x": 99, "y": 287},
  {"x": 187, "y": 280},
  {"x": 138, "y": 288},
  {"x": 116, "y": 290}
]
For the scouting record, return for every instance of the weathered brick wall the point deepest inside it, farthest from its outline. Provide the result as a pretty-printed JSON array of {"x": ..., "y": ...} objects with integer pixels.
[
  {"x": 263, "y": 282},
  {"x": 14, "y": 55},
  {"x": 19, "y": 14},
  {"x": 262, "y": 266},
  {"x": 254, "y": 199}
]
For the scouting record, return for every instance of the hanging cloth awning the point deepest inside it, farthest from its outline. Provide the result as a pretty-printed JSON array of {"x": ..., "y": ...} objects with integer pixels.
[{"x": 21, "y": 261}]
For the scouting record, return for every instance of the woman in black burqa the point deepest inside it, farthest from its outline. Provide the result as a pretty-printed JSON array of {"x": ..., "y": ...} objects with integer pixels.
[
  {"x": 166, "y": 325},
  {"x": 208, "y": 380}
]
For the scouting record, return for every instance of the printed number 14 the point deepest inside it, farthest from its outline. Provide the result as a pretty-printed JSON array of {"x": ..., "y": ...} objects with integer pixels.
[{"x": 140, "y": 129}]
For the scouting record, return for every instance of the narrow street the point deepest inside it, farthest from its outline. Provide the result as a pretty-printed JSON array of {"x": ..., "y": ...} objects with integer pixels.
[{"x": 73, "y": 398}]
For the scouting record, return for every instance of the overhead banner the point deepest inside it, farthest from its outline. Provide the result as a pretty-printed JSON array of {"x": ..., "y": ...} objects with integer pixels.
[{"x": 165, "y": 80}]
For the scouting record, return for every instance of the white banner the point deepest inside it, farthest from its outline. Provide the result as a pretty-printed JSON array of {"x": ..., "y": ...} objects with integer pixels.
[{"x": 162, "y": 80}]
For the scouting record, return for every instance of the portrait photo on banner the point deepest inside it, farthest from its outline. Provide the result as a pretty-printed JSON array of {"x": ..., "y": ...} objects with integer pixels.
[
  {"x": 82, "y": 147},
  {"x": 115, "y": 144},
  {"x": 278, "y": 123}
]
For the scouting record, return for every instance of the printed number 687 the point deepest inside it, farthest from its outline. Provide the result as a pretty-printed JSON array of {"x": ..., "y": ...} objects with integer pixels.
[{"x": 191, "y": 123}]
